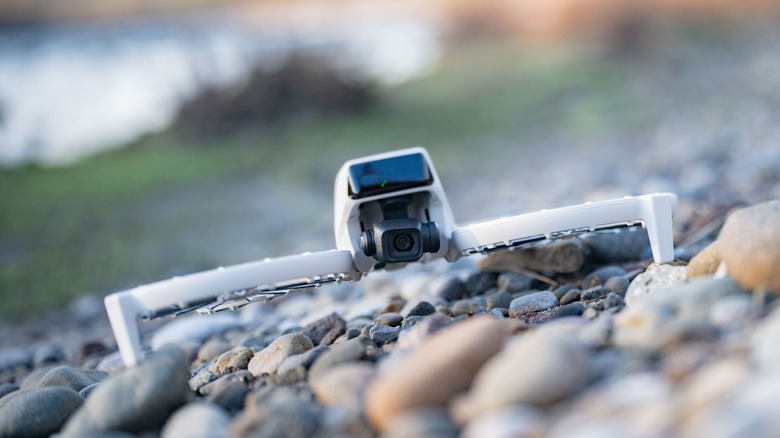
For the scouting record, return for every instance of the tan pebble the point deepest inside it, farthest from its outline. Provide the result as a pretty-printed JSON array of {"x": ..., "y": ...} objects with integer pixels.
[{"x": 706, "y": 262}]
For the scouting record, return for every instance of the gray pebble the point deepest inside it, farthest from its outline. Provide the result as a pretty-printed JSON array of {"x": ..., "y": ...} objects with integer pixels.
[
  {"x": 269, "y": 359},
  {"x": 40, "y": 412},
  {"x": 613, "y": 300},
  {"x": 601, "y": 275},
  {"x": 623, "y": 246},
  {"x": 513, "y": 282},
  {"x": 391, "y": 319},
  {"x": 469, "y": 306},
  {"x": 411, "y": 321},
  {"x": 213, "y": 387},
  {"x": 479, "y": 282},
  {"x": 198, "y": 420},
  {"x": 383, "y": 334},
  {"x": 572, "y": 309},
  {"x": 560, "y": 291},
  {"x": 211, "y": 349},
  {"x": 352, "y": 350},
  {"x": 15, "y": 357},
  {"x": 571, "y": 296},
  {"x": 421, "y": 309},
  {"x": 532, "y": 303},
  {"x": 593, "y": 293},
  {"x": 69, "y": 377},
  {"x": 202, "y": 377},
  {"x": 7, "y": 388},
  {"x": 303, "y": 360},
  {"x": 232, "y": 361},
  {"x": 88, "y": 390},
  {"x": 280, "y": 412},
  {"x": 451, "y": 289},
  {"x": 431, "y": 422},
  {"x": 47, "y": 354},
  {"x": 501, "y": 299},
  {"x": 324, "y": 331},
  {"x": 618, "y": 285},
  {"x": 343, "y": 385}
]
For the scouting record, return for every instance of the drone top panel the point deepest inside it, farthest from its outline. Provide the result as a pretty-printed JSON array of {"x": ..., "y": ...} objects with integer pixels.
[{"x": 388, "y": 175}]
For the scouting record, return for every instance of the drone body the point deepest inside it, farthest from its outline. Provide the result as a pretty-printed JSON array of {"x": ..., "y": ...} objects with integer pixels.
[{"x": 389, "y": 210}]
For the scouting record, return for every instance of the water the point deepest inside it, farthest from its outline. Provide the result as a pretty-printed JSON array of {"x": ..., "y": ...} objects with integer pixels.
[{"x": 68, "y": 92}]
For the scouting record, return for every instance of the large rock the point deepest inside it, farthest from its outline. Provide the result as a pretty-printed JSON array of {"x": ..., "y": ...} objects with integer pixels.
[
  {"x": 750, "y": 246},
  {"x": 563, "y": 256},
  {"x": 442, "y": 366},
  {"x": 40, "y": 412},
  {"x": 268, "y": 359},
  {"x": 140, "y": 399}
]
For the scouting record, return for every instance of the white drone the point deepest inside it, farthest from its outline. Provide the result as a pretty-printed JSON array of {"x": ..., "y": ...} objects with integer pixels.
[{"x": 390, "y": 209}]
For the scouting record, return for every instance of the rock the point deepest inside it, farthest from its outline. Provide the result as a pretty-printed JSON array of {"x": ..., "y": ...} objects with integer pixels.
[
  {"x": 764, "y": 348},
  {"x": 15, "y": 357},
  {"x": 640, "y": 327},
  {"x": 7, "y": 388},
  {"x": 414, "y": 336},
  {"x": 158, "y": 386},
  {"x": 600, "y": 276},
  {"x": 733, "y": 311},
  {"x": 232, "y": 361},
  {"x": 47, "y": 354},
  {"x": 32, "y": 380},
  {"x": 211, "y": 349},
  {"x": 383, "y": 334},
  {"x": 499, "y": 300},
  {"x": 612, "y": 300},
  {"x": 622, "y": 246},
  {"x": 201, "y": 378},
  {"x": 40, "y": 412},
  {"x": 562, "y": 256},
  {"x": 269, "y": 359},
  {"x": 69, "y": 377},
  {"x": 89, "y": 390},
  {"x": 342, "y": 385},
  {"x": 194, "y": 328},
  {"x": 562, "y": 290},
  {"x": 303, "y": 360},
  {"x": 706, "y": 262},
  {"x": 660, "y": 278},
  {"x": 277, "y": 412},
  {"x": 422, "y": 422},
  {"x": 571, "y": 309},
  {"x": 557, "y": 369},
  {"x": 748, "y": 245},
  {"x": 391, "y": 319},
  {"x": 452, "y": 288},
  {"x": 469, "y": 306},
  {"x": 197, "y": 420},
  {"x": 618, "y": 284},
  {"x": 509, "y": 422},
  {"x": 324, "y": 331},
  {"x": 422, "y": 308},
  {"x": 570, "y": 296},
  {"x": 442, "y": 366},
  {"x": 712, "y": 383},
  {"x": 513, "y": 282},
  {"x": 229, "y": 391},
  {"x": 411, "y": 321},
  {"x": 479, "y": 282},
  {"x": 593, "y": 293},
  {"x": 352, "y": 350},
  {"x": 534, "y": 302}
]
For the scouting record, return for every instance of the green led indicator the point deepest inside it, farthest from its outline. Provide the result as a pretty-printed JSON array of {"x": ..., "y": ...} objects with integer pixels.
[{"x": 384, "y": 183}]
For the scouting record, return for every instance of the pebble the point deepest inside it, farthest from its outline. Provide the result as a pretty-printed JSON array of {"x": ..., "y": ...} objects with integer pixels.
[
  {"x": 324, "y": 331},
  {"x": 269, "y": 359},
  {"x": 414, "y": 336},
  {"x": 600, "y": 276},
  {"x": 47, "y": 354},
  {"x": 40, "y": 412},
  {"x": 14, "y": 357},
  {"x": 411, "y": 321},
  {"x": 442, "y": 366},
  {"x": 69, "y": 377},
  {"x": 383, "y": 334},
  {"x": 733, "y": 311},
  {"x": 229, "y": 391},
  {"x": 391, "y": 319},
  {"x": 201, "y": 378},
  {"x": 706, "y": 262},
  {"x": 563, "y": 289},
  {"x": 88, "y": 390},
  {"x": 621, "y": 246},
  {"x": 422, "y": 308},
  {"x": 764, "y": 348},
  {"x": 430, "y": 422},
  {"x": 618, "y": 284},
  {"x": 469, "y": 306},
  {"x": 571, "y": 309},
  {"x": 562, "y": 256},
  {"x": 559, "y": 368},
  {"x": 194, "y": 328},
  {"x": 513, "y": 282},
  {"x": 570, "y": 296},
  {"x": 198, "y": 420},
  {"x": 158, "y": 386},
  {"x": 353, "y": 350},
  {"x": 277, "y": 412},
  {"x": 451, "y": 288},
  {"x": 534, "y": 302},
  {"x": 748, "y": 245},
  {"x": 232, "y": 361},
  {"x": 657, "y": 279},
  {"x": 302, "y": 360},
  {"x": 613, "y": 300},
  {"x": 509, "y": 422},
  {"x": 211, "y": 349},
  {"x": 343, "y": 385},
  {"x": 479, "y": 282},
  {"x": 7, "y": 388},
  {"x": 594, "y": 293},
  {"x": 499, "y": 300}
]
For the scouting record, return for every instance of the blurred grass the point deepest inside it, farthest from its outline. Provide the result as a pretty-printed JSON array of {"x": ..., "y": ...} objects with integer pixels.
[{"x": 68, "y": 231}]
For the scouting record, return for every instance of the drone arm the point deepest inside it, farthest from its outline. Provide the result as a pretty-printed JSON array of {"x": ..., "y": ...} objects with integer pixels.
[{"x": 653, "y": 211}]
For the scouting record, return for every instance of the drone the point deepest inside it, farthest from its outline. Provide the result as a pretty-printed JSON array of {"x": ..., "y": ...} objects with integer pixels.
[{"x": 389, "y": 210}]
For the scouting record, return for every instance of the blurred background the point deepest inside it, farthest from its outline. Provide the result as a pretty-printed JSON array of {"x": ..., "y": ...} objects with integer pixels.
[{"x": 145, "y": 139}]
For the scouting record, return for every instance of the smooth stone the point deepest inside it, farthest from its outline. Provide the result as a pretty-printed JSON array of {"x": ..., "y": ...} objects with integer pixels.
[
  {"x": 450, "y": 289},
  {"x": 47, "y": 354},
  {"x": 706, "y": 262},
  {"x": 618, "y": 284},
  {"x": 69, "y": 377},
  {"x": 534, "y": 302},
  {"x": 15, "y": 357},
  {"x": 217, "y": 385},
  {"x": 764, "y": 348},
  {"x": 562, "y": 290},
  {"x": 563, "y": 256},
  {"x": 748, "y": 245},
  {"x": 201, "y": 378},
  {"x": 429, "y": 422},
  {"x": 422, "y": 308},
  {"x": 391, "y": 319},
  {"x": 89, "y": 390},
  {"x": 601, "y": 275},
  {"x": 32, "y": 380},
  {"x": 211, "y": 349},
  {"x": 324, "y": 331},
  {"x": 40, "y": 412},
  {"x": 469, "y": 306},
  {"x": 572, "y": 309},
  {"x": 554, "y": 367},
  {"x": 499, "y": 300},
  {"x": 442, "y": 366},
  {"x": 479, "y": 282},
  {"x": 512, "y": 282},
  {"x": 733, "y": 311},
  {"x": 613, "y": 300},
  {"x": 411, "y": 321},
  {"x": 570, "y": 296},
  {"x": 639, "y": 327},
  {"x": 194, "y": 328},
  {"x": 593, "y": 293},
  {"x": 158, "y": 386},
  {"x": 510, "y": 422},
  {"x": 623, "y": 246},
  {"x": 277, "y": 412},
  {"x": 230, "y": 391},
  {"x": 232, "y": 361},
  {"x": 7, "y": 388},
  {"x": 198, "y": 420},
  {"x": 712, "y": 383},
  {"x": 413, "y": 337},
  {"x": 267, "y": 361},
  {"x": 342, "y": 385},
  {"x": 655, "y": 280},
  {"x": 383, "y": 334},
  {"x": 303, "y": 360},
  {"x": 352, "y": 350}
]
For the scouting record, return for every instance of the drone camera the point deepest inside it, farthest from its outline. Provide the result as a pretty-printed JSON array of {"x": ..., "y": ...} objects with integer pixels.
[{"x": 400, "y": 240}]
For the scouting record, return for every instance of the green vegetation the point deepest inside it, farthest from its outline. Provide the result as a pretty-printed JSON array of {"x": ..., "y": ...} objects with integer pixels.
[{"x": 67, "y": 231}]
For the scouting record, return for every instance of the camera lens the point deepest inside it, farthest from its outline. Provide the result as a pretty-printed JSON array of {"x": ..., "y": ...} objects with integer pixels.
[{"x": 403, "y": 242}]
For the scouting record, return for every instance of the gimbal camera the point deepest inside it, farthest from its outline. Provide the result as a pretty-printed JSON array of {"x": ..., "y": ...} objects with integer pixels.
[{"x": 389, "y": 210}]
